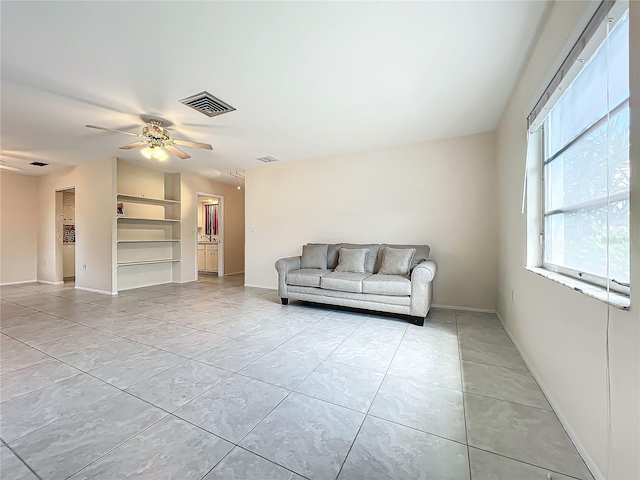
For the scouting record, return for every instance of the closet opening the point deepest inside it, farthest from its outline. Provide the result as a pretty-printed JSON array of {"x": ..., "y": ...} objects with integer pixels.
[
  {"x": 66, "y": 235},
  {"x": 210, "y": 236}
]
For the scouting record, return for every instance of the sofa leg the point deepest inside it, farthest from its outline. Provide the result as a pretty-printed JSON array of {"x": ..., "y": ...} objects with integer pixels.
[
  {"x": 285, "y": 301},
  {"x": 419, "y": 321}
]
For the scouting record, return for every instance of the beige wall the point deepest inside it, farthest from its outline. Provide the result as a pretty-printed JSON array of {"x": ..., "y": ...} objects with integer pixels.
[
  {"x": 233, "y": 219},
  {"x": 18, "y": 227},
  {"x": 560, "y": 332},
  {"x": 95, "y": 197},
  {"x": 438, "y": 193}
]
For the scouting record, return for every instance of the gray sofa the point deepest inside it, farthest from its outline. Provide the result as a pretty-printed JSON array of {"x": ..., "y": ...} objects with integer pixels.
[{"x": 408, "y": 294}]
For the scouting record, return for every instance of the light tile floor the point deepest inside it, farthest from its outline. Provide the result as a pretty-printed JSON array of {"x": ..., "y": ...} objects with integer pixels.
[{"x": 218, "y": 381}]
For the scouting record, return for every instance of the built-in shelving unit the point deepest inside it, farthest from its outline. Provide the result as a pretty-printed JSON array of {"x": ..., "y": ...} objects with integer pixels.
[
  {"x": 148, "y": 235},
  {"x": 149, "y": 262},
  {"x": 147, "y": 200},
  {"x": 146, "y": 241},
  {"x": 146, "y": 220}
]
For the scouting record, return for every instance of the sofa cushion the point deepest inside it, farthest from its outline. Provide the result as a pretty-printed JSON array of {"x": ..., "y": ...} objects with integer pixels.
[
  {"x": 371, "y": 258},
  {"x": 422, "y": 254},
  {"x": 306, "y": 277},
  {"x": 396, "y": 261},
  {"x": 378, "y": 284},
  {"x": 352, "y": 260},
  {"x": 312, "y": 294},
  {"x": 343, "y": 281},
  {"x": 333, "y": 251},
  {"x": 314, "y": 256}
]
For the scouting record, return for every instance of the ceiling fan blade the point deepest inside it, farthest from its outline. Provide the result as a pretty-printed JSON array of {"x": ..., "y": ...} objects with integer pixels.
[
  {"x": 186, "y": 143},
  {"x": 5, "y": 166},
  {"x": 112, "y": 130},
  {"x": 177, "y": 152},
  {"x": 134, "y": 145}
]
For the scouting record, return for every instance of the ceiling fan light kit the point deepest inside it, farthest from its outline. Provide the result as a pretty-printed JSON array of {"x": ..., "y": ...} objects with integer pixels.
[
  {"x": 154, "y": 151},
  {"x": 157, "y": 139}
]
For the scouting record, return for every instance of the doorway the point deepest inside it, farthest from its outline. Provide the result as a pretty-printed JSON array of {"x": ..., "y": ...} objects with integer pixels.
[
  {"x": 210, "y": 236},
  {"x": 66, "y": 235}
]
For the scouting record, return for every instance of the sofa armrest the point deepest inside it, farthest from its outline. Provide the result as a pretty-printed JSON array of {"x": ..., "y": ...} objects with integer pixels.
[
  {"x": 425, "y": 270},
  {"x": 284, "y": 266},
  {"x": 421, "y": 288}
]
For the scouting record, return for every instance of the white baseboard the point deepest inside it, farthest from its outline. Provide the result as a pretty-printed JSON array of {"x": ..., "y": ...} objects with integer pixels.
[
  {"x": 6, "y": 284},
  {"x": 94, "y": 290},
  {"x": 466, "y": 309},
  {"x": 233, "y": 273},
  {"x": 51, "y": 283},
  {"x": 591, "y": 465}
]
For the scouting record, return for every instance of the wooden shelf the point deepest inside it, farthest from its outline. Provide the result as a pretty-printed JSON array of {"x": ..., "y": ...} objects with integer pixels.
[
  {"x": 148, "y": 262},
  {"x": 142, "y": 220},
  {"x": 148, "y": 241},
  {"x": 147, "y": 200}
]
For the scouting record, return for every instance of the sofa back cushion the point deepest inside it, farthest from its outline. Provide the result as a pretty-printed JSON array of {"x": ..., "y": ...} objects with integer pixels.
[
  {"x": 314, "y": 256},
  {"x": 333, "y": 251},
  {"x": 372, "y": 258},
  {"x": 422, "y": 254},
  {"x": 352, "y": 260},
  {"x": 396, "y": 261}
]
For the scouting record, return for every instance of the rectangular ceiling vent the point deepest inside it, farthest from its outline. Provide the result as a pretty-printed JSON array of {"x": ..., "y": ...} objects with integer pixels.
[
  {"x": 39, "y": 164},
  {"x": 206, "y": 103},
  {"x": 268, "y": 159}
]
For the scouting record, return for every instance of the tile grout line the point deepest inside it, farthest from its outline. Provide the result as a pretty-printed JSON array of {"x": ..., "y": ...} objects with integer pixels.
[
  {"x": 464, "y": 406},
  {"x": 21, "y": 460},
  {"x": 525, "y": 462},
  {"x": 121, "y": 443},
  {"x": 404, "y": 333},
  {"x": 507, "y": 401}
]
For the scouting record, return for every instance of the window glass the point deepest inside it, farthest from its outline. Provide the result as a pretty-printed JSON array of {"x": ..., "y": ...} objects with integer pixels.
[
  {"x": 586, "y": 186},
  {"x": 579, "y": 174},
  {"x": 586, "y": 100}
]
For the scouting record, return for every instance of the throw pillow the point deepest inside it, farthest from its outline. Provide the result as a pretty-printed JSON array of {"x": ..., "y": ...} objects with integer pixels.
[
  {"x": 314, "y": 256},
  {"x": 352, "y": 260},
  {"x": 396, "y": 261}
]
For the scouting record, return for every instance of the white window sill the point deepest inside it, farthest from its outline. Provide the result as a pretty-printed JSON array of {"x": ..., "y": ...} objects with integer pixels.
[{"x": 614, "y": 299}]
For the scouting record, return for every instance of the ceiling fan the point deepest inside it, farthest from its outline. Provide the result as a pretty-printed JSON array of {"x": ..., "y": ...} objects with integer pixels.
[{"x": 157, "y": 139}]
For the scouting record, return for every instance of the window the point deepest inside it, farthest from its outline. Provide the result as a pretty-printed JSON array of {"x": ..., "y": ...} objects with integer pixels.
[{"x": 586, "y": 172}]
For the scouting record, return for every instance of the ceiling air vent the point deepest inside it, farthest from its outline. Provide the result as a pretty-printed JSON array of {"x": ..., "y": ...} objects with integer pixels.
[
  {"x": 268, "y": 159},
  {"x": 206, "y": 103},
  {"x": 39, "y": 164}
]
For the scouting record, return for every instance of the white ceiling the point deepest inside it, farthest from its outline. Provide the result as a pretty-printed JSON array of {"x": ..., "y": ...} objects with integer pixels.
[{"x": 308, "y": 79}]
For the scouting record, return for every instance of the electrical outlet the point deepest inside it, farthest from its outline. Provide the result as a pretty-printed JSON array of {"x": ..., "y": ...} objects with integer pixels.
[
  {"x": 513, "y": 296},
  {"x": 253, "y": 227}
]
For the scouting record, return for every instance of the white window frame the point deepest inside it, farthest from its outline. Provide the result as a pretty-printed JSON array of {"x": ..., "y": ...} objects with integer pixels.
[
  {"x": 598, "y": 280},
  {"x": 590, "y": 40}
]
